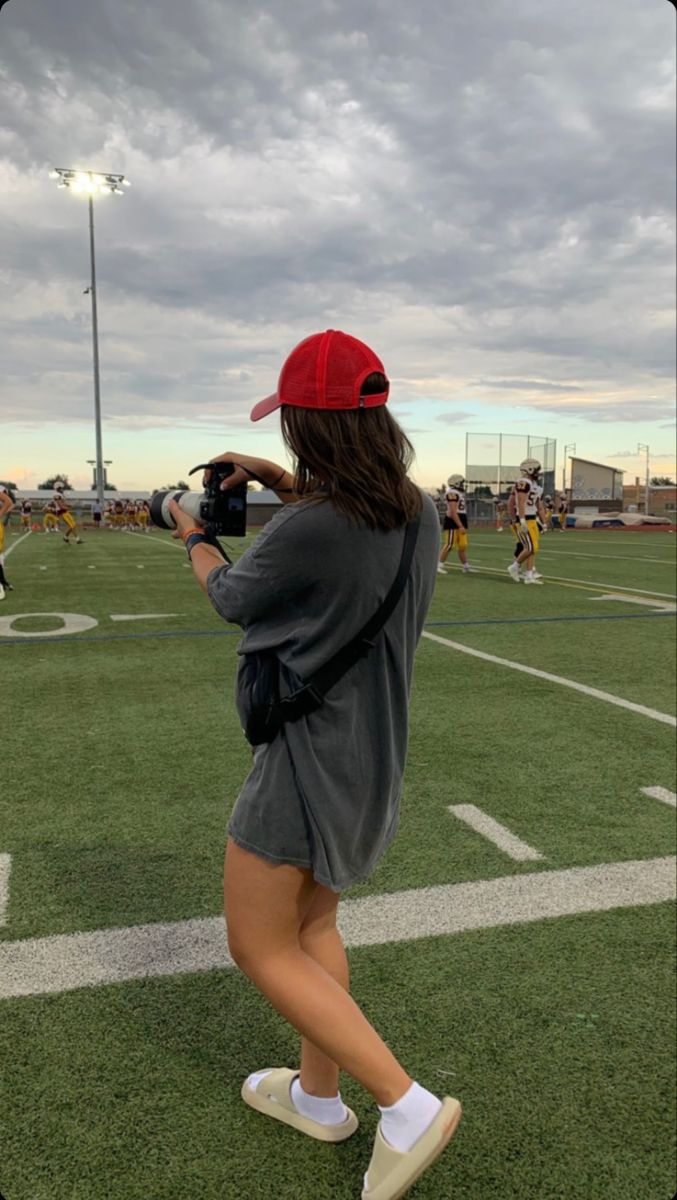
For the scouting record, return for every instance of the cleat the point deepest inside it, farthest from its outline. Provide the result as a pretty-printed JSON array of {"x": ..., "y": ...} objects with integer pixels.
[
  {"x": 2, "y": 592},
  {"x": 537, "y": 581},
  {"x": 440, "y": 569},
  {"x": 514, "y": 572}
]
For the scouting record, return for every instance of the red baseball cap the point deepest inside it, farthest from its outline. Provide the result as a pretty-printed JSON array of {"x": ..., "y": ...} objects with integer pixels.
[{"x": 326, "y": 371}]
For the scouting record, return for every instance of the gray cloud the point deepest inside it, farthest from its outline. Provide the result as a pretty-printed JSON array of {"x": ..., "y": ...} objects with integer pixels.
[
  {"x": 452, "y": 417},
  {"x": 481, "y": 191},
  {"x": 612, "y": 412},
  {"x": 526, "y": 385}
]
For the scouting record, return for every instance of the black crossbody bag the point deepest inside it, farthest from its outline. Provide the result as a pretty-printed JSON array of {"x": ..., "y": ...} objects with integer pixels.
[{"x": 263, "y": 711}]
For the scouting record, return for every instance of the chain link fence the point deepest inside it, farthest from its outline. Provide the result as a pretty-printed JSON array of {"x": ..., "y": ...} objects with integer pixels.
[{"x": 492, "y": 465}]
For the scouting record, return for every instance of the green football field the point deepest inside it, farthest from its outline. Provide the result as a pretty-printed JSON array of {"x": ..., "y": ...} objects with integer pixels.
[{"x": 514, "y": 947}]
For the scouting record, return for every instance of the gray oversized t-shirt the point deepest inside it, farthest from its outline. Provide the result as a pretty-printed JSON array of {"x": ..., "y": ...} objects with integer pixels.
[{"x": 325, "y": 794}]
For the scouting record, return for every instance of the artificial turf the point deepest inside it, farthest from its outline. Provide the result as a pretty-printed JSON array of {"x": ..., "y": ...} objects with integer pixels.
[
  {"x": 556, "y": 1037},
  {"x": 118, "y": 779}
]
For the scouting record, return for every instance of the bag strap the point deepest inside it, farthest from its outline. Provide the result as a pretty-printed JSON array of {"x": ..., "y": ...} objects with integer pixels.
[{"x": 310, "y": 696}]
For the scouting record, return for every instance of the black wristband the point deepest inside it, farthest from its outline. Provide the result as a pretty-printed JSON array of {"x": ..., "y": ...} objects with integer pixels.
[{"x": 195, "y": 539}]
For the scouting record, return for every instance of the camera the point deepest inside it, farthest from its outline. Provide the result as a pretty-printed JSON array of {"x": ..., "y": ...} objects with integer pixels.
[{"x": 221, "y": 513}]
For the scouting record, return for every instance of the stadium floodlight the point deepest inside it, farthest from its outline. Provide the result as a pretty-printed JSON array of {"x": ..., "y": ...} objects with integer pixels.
[
  {"x": 91, "y": 184},
  {"x": 643, "y": 446}
]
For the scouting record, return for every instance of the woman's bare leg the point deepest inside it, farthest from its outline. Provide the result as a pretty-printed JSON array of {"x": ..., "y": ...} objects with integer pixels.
[
  {"x": 265, "y": 908},
  {"x": 321, "y": 941}
]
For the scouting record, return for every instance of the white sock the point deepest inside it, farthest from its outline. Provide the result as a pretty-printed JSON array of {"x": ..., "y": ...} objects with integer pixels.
[
  {"x": 405, "y": 1122},
  {"x": 326, "y": 1110},
  {"x": 529, "y": 574}
]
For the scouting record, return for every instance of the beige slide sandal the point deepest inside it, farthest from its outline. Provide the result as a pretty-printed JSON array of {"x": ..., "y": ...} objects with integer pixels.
[
  {"x": 391, "y": 1172},
  {"x": 273, "y": 1098}
]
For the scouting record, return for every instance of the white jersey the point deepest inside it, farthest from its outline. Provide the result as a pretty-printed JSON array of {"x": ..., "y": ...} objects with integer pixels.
[
  {"x": 533, "y": 493},
  {"x": 455, "y": 496}
]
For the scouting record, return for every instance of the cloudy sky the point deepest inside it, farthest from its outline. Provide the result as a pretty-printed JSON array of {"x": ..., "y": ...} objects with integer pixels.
[{"x": 482, "y": 190}]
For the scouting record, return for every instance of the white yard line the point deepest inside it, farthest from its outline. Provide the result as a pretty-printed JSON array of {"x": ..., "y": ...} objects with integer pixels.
[
  {"x": 13, "y": 545},
  {"x": 566, "y": 579},
  {"x": 148, "y": 538},
  {"x": 5, "y": 868},
  {"x": 104, "y": 956},
  {"x": 616, "y": 586},
  {"x": 494, "y": 832},
  {"x": 141, "y": 616},
  {"x": 668, "y": 561},
  {"x": 664, "y": 606},
  {"x": 660, "y": 793},
  {"x": 595, "y": 693}
]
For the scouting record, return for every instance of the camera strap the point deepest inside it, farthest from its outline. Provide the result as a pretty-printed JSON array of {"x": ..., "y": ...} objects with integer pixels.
[
  {"x": 309, "y": 697},
  {"x": 270, "y": 486}
]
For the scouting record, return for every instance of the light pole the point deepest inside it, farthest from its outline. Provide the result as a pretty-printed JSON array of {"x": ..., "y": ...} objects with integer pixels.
[
  {"x": 571, "y": 446},
  {"x": 93, "y": 183},
  {"x": 643, "y": 446}
]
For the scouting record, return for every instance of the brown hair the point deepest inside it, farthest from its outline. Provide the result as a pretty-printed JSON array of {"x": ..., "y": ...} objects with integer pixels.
[{"x": 356, "y": 458}]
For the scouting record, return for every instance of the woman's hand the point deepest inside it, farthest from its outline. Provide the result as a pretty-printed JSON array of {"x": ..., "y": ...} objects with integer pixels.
[
  {"x": 182, "y": 520},
  {"x": 271, "y": 474},
  {"x": 267, "y": 472}
]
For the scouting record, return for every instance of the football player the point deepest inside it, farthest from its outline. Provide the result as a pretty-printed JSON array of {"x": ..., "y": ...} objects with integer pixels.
[
  {"x": 562, "y": 510},
  {"x": 6, "y": 506},
  {"x": 63, "y": 511},
  {"x": 528, "y": 511},
  {"x": 142, "y": 515},
  {"x": 50, "y": 521},
  {"x": 501, "y": 515},
  {"x": 455, "y": 523},
  {"x": 26, "y": 514}
]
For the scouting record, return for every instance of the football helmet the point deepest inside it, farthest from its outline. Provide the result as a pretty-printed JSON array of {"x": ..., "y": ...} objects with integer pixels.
[
  {"x": 530, "y": 466},
  {"x": 456, "y": 481}
]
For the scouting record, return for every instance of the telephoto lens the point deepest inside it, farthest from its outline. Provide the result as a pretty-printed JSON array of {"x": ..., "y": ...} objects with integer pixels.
[{"x": 190, "y": 502}]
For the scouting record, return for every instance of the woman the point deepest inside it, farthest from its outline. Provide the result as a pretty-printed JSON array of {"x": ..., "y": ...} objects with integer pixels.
[{"x": 321, "y": 804}]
